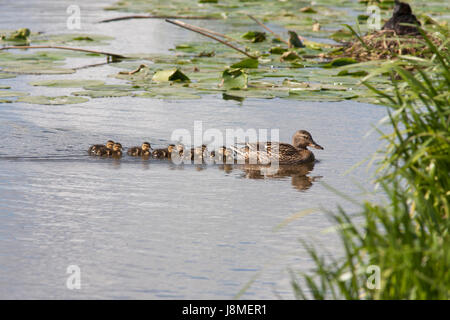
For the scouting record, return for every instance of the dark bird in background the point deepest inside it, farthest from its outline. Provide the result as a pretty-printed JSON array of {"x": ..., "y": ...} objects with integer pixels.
[{"x": 402, "y": 14}]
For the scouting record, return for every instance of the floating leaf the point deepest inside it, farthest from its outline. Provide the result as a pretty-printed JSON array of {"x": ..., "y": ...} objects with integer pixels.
[
  {"x": 102, "y": 94},
  {"x": 8, "y": 93},
  {"x": 66, "y": 83},
  {"x": 277, "y": 50},
  {"x": 52, "y": 100},
  {"x": 339, "y": 62},
  {"x": 308, "y": 10},
  {"x": 234, "y": 79},
  {"x": 360, "y": 73},
  {"x": 289, "y": 56},
  {"x": 6, "y": 75},
  {"x": 170, "y": 75},
  {"x": 254, "y": 36},
  {"x": 5, "y": 87},
  {"x": 246, "y": 63}
]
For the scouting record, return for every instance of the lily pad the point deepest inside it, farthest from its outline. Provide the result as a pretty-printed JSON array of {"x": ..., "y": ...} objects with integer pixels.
[
  {"x": 7, "y": 75},
  {"x": 7, "y": 93},
  {"x": 102, "y": 94},
  {"x": 308, "y": 10},
  {"x": 52, "y": 100},
  {"x": 246, "y": 63},
  {"x": 66, "y": 83},
  {"x": 254, "y": 36},
  {"x": 289, "y": 56},
  {"x": 170, "y": 75},
  {"x": 277, "y": 50},
  {"x": 338, "y": 62},
  {"x": 234, "y": 79}
]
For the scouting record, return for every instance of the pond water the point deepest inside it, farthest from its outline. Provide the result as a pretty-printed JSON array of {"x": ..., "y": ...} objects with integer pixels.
[{"x": 152, "y": 230}]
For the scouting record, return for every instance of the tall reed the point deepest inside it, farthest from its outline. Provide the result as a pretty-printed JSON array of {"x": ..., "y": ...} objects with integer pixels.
[{"x": 407, "y": 238}]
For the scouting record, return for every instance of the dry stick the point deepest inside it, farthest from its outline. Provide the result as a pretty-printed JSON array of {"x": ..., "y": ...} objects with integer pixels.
[
  {"x": 192, "y": 28},
  {"x": 267, "y": 28},
  {"x": 157, "y": 17},
  {"x": 211, "y": 32},
  {"x": 65, "y": 48}
]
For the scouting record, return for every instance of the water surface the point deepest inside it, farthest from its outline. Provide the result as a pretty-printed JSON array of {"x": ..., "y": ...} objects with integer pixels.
[{"x": 140, "y": 229}]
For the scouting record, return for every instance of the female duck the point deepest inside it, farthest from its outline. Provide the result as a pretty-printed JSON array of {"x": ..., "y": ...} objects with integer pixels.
[
  {"x": 143, "y": 150},
  {"x": 283, "y": 153}
]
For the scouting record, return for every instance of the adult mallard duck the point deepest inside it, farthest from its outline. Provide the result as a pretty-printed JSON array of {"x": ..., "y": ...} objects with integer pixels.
[
  {"x": 96, "y": 148},
  {"x": 143, "y": 150},
  {"x": 283, "y": 153}
]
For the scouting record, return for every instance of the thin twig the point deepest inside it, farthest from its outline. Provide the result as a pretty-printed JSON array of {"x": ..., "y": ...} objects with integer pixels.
[
  {"x": 267, "y": 28},
  {"x": 192, "y": 28},
  {"x": 212, "y": 32},
  {"x": 109, "y": 54},
  {"x": 157, "y": 17}
]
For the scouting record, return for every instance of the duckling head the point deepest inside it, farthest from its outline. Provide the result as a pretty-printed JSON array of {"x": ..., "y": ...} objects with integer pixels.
[
  {"x": 146, "y": 146},
  {"x": 117, "y": 147},
  {"x": 171, "y": 148},
  {"x": 109, "y": 144},
  {"x": 303, "y": 139}
]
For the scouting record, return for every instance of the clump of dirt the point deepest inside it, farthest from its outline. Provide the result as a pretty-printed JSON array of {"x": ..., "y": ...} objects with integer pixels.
[{"x": 387, "y": 45}]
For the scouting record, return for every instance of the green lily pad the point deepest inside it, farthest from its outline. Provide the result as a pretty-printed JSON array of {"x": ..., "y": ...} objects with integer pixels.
[
  {"x": 52, "y": 100},
  {"x": 8, "y": 93},
  {"x": 18, "y": 35},
  {"x": 102, "y": 93},
  {"x": 308, "y": 10},
  {"x": 66, "y": 83},
  {"x": 277, "y": 50},
  {"x": 5, "y": 101},
  {"x": 6, "y": 75},
  {"x": 170, "y": 75},
  {"x": 360, "y": 73},
  {"x": 254, "y": 36},
  {"x": 111, "y": 87},
  {"x": 234, "y": 79},
  {"x": 246, "y": 63},
  {"x": 338, "y": 62},
  {"x": 5, "y": 87},
  {"x": 289, "y": 56}
]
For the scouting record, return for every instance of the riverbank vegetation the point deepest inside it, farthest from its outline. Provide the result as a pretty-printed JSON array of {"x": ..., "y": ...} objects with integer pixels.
[{"x": 407, "y": 237}]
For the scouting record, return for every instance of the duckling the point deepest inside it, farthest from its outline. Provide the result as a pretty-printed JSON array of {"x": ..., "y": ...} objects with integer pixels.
[
  {"x": 223, "y": 155},
  {"x": 160, "y": 153},
  {"x": 197, "y": 153},
  {"x": 143, "y": 150},
  {"x": 164, "y": 153},
  {"x": 95, "y": 149},
  {"x": 116, "y": 150},
  {"x": 402, "y": 14},
  {"x": 284, "y": 153}
]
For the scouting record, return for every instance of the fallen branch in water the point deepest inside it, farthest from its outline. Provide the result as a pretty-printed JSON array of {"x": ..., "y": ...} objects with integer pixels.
[
  {"x": 206, "y": 34},
  {"x": 109, "y": 54},
  {"x": 267, "y": 28},
  {"x": 134, "y": 71},
  {"x": 157, "y": 17}
]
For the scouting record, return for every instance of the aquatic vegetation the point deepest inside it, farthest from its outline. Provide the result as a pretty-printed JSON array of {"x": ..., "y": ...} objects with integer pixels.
[
  {"x": 52, "y": 100},
  {"x": 399, "y": 249}
]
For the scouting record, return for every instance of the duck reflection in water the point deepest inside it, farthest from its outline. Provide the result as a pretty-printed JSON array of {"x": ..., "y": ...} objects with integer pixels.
[{"x": 300, "y": 179}]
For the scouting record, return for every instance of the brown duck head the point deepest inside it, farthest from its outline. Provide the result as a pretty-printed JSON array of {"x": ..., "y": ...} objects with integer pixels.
[{"x": 303, "y": 139}]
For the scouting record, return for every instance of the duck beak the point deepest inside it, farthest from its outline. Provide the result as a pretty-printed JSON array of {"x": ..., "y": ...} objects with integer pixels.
[{"x": 315, "y": 145}]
